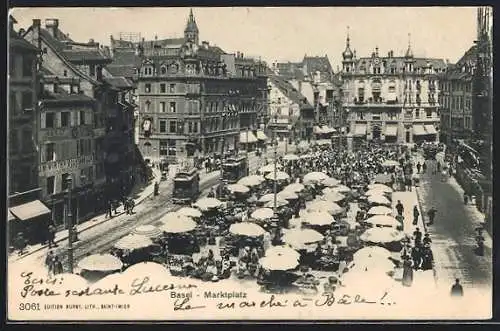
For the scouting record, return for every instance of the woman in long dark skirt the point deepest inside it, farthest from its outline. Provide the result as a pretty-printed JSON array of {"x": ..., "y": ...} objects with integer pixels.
[{"x": 407, "y": 271}]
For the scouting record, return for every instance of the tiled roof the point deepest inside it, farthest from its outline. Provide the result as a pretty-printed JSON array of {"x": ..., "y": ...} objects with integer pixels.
[
  {"x": 62, "y": 95},
  {"x": 317, "y": 63},
  {"x": 289, "y": 91},
  {"x": 16, "y": 42},
  {"x": 82, "y": 55},
  {"x": 398, "y": 62},
  {"x": 121, "y": 70},
  {"x": 119, "y": 82}
]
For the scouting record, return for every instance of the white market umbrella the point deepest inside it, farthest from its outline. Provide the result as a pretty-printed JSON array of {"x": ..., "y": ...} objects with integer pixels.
[
  {"x": 247, "y": 229},
  {"x": 269, "y": 168},
  {"x": 380, "y": 210},
  {"x": 149, "y": 231},
  {"x": 333, "y": 196},
  {"x": 266, "y": 197},
  {"x": 371, "y": 252},
  {"x": 379, "y": 200},
  {"x": 290, "y": 157},
  {"x": 372, "y": 264},
  {"x": 297, "y": 238},
  {"x": 317, "y": 218},
  {"x": 314, "y": 177},
  {"x": 330, "y": 182},
  {"x": 341, "y": 189},
  {"x": 279, "y": 203},
  {"x": 207, "y": 203},
  {"x": 330, "y": 207},
  {"x": 100, "y": 262},
  {"x": 174, "y": 217},
  {"x": 382, "y": 235},
  {"x": 285, "y": 251},
  {"x": 294, "y": 187},
  {"x": 382, "y": 220},
  {"x": 262, "y": 214},
  {"x": 180, "y": 225},
  {"x": 380, "y": 187},
  {"x": 280, "y": 175},
  {"x": 287, "y": 195},
  {"x": 251, "y": 181},
  {"x": 189, "y": 212},
  {"x": 133, "y": 241},
  {"x": 376, "y": 191},
  {"x": 276, "y": 262},
  {"x": 237, "y": 188},
  {"x": 390, "y": 163}
]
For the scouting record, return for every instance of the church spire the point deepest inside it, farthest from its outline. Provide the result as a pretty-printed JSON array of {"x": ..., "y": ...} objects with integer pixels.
[
  {"x": 191, "y": 32},
  {"x": 347, "y": 54},
  {"x": 409, "y": 52}
]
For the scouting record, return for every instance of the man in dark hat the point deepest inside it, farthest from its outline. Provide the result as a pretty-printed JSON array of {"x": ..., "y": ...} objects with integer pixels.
[
  {"x": 427, "y": 239},
  {"x": 431, "y": 214},
  {"x": 417, "y": 235},
  {"x": 457, "y": 289},
  {"x": 400, "y": 208}
]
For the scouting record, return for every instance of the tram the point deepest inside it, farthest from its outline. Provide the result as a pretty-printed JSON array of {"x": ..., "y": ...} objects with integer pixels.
[
  {"x": 234, "y": 168},
  {"x": 186, "y": 186}
]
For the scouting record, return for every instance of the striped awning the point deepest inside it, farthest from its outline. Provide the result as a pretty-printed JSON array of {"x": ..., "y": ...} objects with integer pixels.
[
  {"x": 391, "y": 130},
  {"x": 419, "y": 130},
  {"x": 247, "y": 137},
  {"x": 430, "y": 129},
  {"x": 30, "y": 210},
  {"x": 261, "y": 135},
  {"x": 360, "y": 130}
]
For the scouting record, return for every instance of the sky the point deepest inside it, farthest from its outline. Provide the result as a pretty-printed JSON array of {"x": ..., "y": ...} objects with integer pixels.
[{"x": 280, "y": 33}]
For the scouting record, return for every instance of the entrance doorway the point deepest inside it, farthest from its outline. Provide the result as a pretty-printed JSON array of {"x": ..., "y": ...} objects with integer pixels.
[
  {"x": 376, "y": 133},
  {"x": 408, "y": 137}
]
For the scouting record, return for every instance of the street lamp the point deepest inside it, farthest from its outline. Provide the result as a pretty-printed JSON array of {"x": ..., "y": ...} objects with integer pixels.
[
  {"x": 246, "y": 149},
  {"x": 69, "y": 223},
  {"x": 275, "y": 145},
  {"x": 222, "y": 164}
]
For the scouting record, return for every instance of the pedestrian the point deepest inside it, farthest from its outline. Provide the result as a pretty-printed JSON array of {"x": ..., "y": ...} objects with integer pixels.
[
  {"x": 131, "y": 204},
  {"x": 457, "y": 289},
  {"x": 424, "y": 167},
  {"x": 20, "y": 243},
  {"x": 438, "y": 164},
  {"x": 466, "y": 198},
  {"x": 416, "y": 256},
  {"x": 49, "y": 262},
  {"x": 407, "y": 271},
  {"x": 156, "y": 189},
  {"x": 416, "y": 214},
  {"x": 427, "y": 258},
  {"x": 58, "y": 268},
  {"x": 400, "y": 208},
  {"x": 52, "y": 235},
  {"x": 417, "y": 236},
  {"x": 418, "y": 167},
  {"x": 431, "y": 214},
  {"x": 109, "y": 209},
  {"x": 427, "y": 239}
]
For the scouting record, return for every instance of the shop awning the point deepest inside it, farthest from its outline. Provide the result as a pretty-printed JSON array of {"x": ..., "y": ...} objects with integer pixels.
[
  {"x": 317, "y": 130},
  {"x": 391, "y": 130},
  {"x": 30, "y": 210},
  {"x": 360, "y": 130},
  {"x": 430, "y": 129},
  {"x": 327, "y": 129},
  {"x": 261, "y": 135},
  {"x": 419, "y": 130},
  {"x": 247, "y": 134},
  {"x": 10, "y": 217}
]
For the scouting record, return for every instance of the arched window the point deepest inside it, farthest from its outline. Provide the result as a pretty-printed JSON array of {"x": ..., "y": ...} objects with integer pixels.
[{"x": 163, "y": 70}]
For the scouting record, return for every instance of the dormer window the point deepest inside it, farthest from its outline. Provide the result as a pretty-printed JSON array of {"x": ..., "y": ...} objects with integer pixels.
[
  {"x": 148, "y": 71},
  {"x": 163, "y": 70}
]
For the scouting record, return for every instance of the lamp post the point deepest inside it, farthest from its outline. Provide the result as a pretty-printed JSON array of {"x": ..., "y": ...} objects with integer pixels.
[
  {"x": 275, "y": 145},
  {"x": 246, "y": 150},
  {"x": 69, "y": 223},
  {"x": 221, "y": 164}
]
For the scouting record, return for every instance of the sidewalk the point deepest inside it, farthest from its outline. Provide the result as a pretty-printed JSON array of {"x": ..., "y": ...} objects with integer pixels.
[
  {"x": 146, "y": 193},
  {"x": 409, "y": 199}
]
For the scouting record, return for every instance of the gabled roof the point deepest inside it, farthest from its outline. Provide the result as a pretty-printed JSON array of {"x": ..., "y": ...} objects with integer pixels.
[
  {"x": 289, "y": 91},
  {"x": 16, "y": 42},
  {"x": 119, "y": 82},
  {"x": 83, "y": 55},
  {"x": 316, "y": 63}
]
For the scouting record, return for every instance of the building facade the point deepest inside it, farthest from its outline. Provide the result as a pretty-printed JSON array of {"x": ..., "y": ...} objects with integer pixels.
[
  {"x": 455, "y": 99},
  {"x": 391, "y": 99},
  {"x": 81, "y": 134},
  {"x": 194, "y": 98}
]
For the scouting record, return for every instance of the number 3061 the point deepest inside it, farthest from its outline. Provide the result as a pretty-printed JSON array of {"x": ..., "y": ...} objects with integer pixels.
[{"x": 29, "y": 306}]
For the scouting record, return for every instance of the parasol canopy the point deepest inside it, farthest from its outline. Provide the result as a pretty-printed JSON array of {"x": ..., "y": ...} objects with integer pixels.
[
  {"x": 341, "y": 189},
  {"x": 290, "y": 157},
  {"x": 376, "y": 191},
  {"x": 297, "y": 238},
  {"x": 278, "y": 263},
  {"x": 380, "y": 210},
  {"x": 380, "y": 187},
  {"x": 390, "y": 163},
  {"x": 269, "y": 168},
  {"x": 149, "y": 231},
  {"x": 280, "y": 175},
  {"x": 251, "y": 181},
  {"x": 372, "y": 264},
  {"x": 314, "y": 177},
  {"x": 189, "y": 212},
  {"x": 179, "y": 225},
  {"x": 100, "y": 262},
  {"x": 371, "y": 252},
  {"x": 330, "y": 182},
  {"x": 237, "y": 188},
  {"x": 383, "y": 220},
  {"x": 379, "y": 200},
  {"x": 282, "y": 251},
  {"x": 381, "y": 235},
  {"x": 246, "y": 229},
  {"x": 133, "y": 241},
  {"x": 266, "y": 197},
  {"x": 333, "y": 196},
  {"x": 262, "y": 214},
  {"x": 287, "y": 195},
  {"x": 330, "y": 207},
  {"x": 279, "y": 203},
  {"x": 294, "y": 187},
  {"x": 207, "y": 203},
  {"x": 317, "y": 218}
]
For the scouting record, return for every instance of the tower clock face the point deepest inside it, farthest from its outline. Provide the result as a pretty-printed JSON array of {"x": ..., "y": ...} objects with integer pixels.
[{"x": 376, "y": 61}]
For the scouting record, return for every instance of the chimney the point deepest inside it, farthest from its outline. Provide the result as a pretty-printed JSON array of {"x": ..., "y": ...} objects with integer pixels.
[
  {"x": 52, "y": 25},
  {"x": 205, "y": 44},
  {"x": 238, "y": 54},
  {"x": 241, "y": 54},
  {"x": 35, "y": 36}
]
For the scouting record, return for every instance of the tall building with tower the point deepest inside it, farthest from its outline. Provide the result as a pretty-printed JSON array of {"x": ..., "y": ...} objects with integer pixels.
[
  {"x": 391, "y": 98},
  {"x": 194, "y": 98}
]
